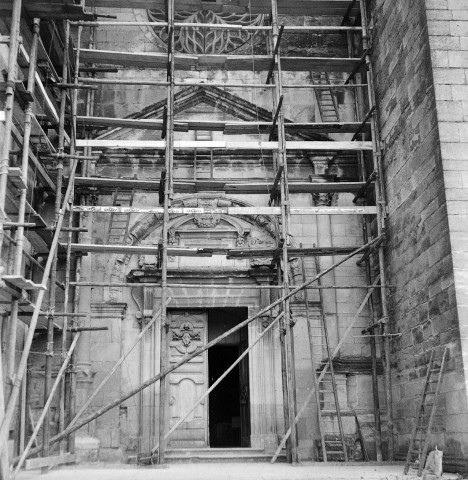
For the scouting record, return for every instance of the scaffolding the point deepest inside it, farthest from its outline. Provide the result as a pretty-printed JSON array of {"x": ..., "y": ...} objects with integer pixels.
[{"x": 75, "y": 153}]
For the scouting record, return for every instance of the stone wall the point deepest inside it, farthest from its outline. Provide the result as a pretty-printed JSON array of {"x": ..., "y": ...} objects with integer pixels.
[{"x": 420, "y": 188}]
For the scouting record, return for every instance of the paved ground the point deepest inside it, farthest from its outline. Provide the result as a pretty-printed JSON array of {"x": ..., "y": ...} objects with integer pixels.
[{"x": 226, "y": 471}]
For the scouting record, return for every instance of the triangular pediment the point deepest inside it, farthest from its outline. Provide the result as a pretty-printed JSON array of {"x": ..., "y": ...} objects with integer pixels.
[{"x": 204, "y": 103}]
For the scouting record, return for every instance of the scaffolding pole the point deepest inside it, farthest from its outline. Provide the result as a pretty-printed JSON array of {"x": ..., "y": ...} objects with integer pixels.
[
  {"x": 9, "y": 103},
  {"x": 169, "y": 135},
  {"x": 380, "y": 200},
  {"x": 5, "y": 161},
  {"x": 19, "y": 238},
  {"x": 276, "y": 33},
  {"x": 61, "y": 149}
]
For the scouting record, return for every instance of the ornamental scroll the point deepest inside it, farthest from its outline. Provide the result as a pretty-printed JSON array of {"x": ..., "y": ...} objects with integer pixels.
[{"x": 200, "y": 40}]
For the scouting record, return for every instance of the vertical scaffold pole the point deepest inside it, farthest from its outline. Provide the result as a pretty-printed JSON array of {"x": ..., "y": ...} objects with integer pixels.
[
  {"x": 381, "y": 203},
  {"x": 61, "y": 148},
  {"x": 167, "y": 201},
  {"x": 5, "y": 161},
  {"x": 285, "y": 221},
  {"x": 22, "y": 200},
  {"x": 10, "y": 98},
  {"x": 78, "y": 264},
  {"x": 53, "y": 274}
]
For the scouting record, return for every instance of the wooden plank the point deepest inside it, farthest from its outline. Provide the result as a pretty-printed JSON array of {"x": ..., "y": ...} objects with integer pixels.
[
  {"x": 15, "y": 176},
  {"x": 37, "y": 164},
  {"x": 50, "y": 10},
  {"x": 45, "y": 98},
  {"x": 292, "y": 252},
  {"x": 140, "y": 124},
  {"x": 324, "y": 127},
  {"x": 233, "y": 210},
  {"x": 23, "y": 283},
  {"x": 217, "y": 185},
  {"x": 229, "y": 128},
  {"x": 156, "y": 60},
  {"x": 225, "y": 145},
  {"x": 288, "y": 7},
  {"x": 209, "y": 251},
  {"x": 113, "y": 183}
]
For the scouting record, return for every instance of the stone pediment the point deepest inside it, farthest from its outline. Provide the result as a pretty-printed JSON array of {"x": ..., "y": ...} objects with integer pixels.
[{"x": 205, "y": 102}]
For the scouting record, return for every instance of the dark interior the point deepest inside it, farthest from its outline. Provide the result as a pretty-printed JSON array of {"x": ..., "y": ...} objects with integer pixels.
[
  {"x": 229, "y": 415},
  {"x": 224, "y": 406}
]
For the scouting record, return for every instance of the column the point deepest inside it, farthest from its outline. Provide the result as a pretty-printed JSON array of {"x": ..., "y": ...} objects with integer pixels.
[{"x": 263, "y": 377}]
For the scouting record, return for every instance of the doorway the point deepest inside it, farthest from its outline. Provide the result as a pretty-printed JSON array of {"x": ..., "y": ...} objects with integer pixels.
[{"x": 229, "y": 412}]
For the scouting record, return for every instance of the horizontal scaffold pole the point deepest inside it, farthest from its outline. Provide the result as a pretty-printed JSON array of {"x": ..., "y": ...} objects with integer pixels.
[
  {"x": 208, "y": 251},
  {"x": 98, "y": 413},
  {"x": 232, "y": 210},
  {"x": 220, "y": 26},
  {"x": 218, "y": 286},
  {"x": 226, "y": 145}
]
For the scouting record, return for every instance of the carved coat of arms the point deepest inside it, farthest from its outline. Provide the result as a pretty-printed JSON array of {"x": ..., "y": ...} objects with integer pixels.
[
  {"x": 207, "y": 220},
  {"x": 186, "y": 336}
]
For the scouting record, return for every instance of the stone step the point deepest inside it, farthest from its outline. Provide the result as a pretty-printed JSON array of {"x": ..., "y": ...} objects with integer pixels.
[{"x": 218, "y": 455}]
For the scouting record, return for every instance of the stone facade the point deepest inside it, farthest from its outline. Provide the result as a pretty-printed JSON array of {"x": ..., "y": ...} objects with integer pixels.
[
  {"x": 266, "y": 408},
  {"x": 420, "y": 63},
  {"x": 420, "y": 71}
]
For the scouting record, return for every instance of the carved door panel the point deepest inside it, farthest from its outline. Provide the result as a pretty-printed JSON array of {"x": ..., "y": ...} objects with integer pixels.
[{"x": 188, "y": 331}]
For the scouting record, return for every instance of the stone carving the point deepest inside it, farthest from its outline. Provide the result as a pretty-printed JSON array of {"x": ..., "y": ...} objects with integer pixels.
[
  {"x": 266, "y": 320},
  {"x": 240, "y": 241},
  {"x": 323, "y": 199},
  {"x": 261, "y": 242},
  {"x": 206, "y": 220},
  {"x": 151, "y": 222},
  {"x": 260, "y": 262},
  {"x": 172, "y": 237},
  {"x": 198, "y": 40},
  {"x": 186, "y": 335}
]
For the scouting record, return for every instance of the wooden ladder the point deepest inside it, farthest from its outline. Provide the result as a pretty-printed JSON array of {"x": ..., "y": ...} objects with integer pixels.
[
  {"x": 204, "y": 157},
  {"x": 326, "y": 100},
  {"x": 419, "y": 442},
  {"x": 118, "y": 224},
  {"x": 333, "y": 445}
]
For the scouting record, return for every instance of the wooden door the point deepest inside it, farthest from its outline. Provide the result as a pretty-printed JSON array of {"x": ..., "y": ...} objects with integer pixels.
[{"x": 188, "y": 331}]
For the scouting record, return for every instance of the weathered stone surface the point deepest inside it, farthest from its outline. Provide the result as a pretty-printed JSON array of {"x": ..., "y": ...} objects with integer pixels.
[{"x": 422, "y": 139}]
